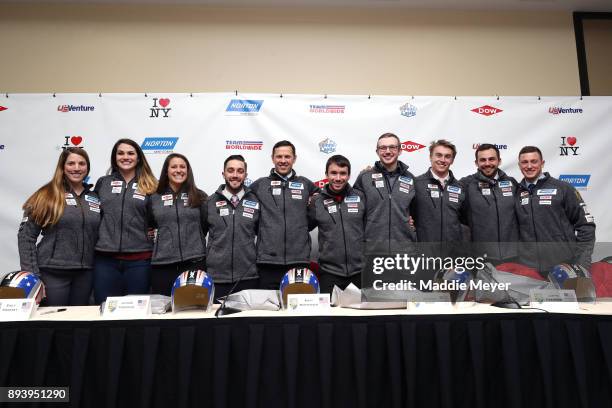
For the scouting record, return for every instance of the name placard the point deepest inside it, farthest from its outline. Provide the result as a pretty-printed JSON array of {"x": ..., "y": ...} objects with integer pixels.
[
  {"x": 554, "y": 300},
  {"x": 314, "y": 303},
  {"x": 430, "y": 302},
  {"x": 16, "y": 309},
  {"x": 127, "y": 307}
]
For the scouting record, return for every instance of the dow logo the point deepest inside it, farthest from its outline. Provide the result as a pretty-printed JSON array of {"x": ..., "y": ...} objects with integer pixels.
[
  {"x": 409, "y": 146},
  {"x": 487, "y": 110}
]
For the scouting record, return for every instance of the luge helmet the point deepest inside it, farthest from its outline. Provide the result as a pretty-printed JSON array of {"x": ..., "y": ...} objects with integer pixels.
[
  {"x": 193, "y": 289},
  {"x": 298, "y": 281},
  {"x": 22, "y": 285}
]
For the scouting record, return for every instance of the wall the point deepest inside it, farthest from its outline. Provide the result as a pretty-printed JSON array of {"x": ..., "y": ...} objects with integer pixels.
[
  {"x": 98, "y": 48},
  {"x": 598, "y": 45}
]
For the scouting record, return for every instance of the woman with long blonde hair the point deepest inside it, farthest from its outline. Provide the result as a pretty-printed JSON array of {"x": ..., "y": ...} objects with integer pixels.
[
  {"x": 67, "y": 214},
  {"x": 124, "y": 249}
]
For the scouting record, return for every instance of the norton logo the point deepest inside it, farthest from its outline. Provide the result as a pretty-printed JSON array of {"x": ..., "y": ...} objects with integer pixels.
[
  {"x": 409, "y": 146},
  {"x": 72, "y": 141},
  {"x": 159, "y": 144},
  {"x": 75, "y": 108},
  {"x": 568, "y": 146},
  {"x": 487, "y": 110},
  {"x": 576, "y": 180},
  {"x": 244, "y": 107},
  {"x": 160, "y": 106},
  {"x": 321, "y": 183},
  {"x": 2, "y": 108}
]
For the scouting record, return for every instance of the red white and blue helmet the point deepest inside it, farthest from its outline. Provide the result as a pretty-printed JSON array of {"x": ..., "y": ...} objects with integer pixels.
[
  {"x": 193, "y": 288},
  {"x": 22, "y": 285},
  {"x": 298, "y": 281},
  {"x": 560, "y": 273}
]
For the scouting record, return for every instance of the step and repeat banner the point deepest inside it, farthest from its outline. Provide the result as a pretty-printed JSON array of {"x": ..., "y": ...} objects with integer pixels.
[{"x": 573, "y": 133}]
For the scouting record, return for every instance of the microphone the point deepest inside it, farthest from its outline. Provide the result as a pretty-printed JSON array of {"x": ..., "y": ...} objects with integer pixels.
[{"x": 223, "y": 310}]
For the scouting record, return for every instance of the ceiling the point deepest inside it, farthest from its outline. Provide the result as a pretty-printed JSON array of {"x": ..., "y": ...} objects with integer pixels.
[{"x": 516, "y": 5}]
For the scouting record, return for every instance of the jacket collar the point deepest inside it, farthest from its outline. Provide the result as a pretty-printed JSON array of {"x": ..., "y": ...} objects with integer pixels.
[
  {"x": 400, "y": 169},
  {"x": 276, "y": 176}
]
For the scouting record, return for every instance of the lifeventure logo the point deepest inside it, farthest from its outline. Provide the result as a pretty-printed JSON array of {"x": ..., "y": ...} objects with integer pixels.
[
  {"x": 75, "y": 108},
  {"x": 487, "y": 110},
  {"x": 2, "y": 108},
  {"x": 327, "y": 108},
  {"x": 160, "y": 106},
  {"x": 499, "y": 146},
  {"x": 244, "y": 107},
  {"x": 568, "y": 145},
  {"x": 576, "y": 180},
  {"x": 409, "y": 146},
  {"x": 159, "y": 144},
  {"x": 557, "y": 110},
  {"x": 321, "y": 183},
  {"x": 243, "y": 145}
]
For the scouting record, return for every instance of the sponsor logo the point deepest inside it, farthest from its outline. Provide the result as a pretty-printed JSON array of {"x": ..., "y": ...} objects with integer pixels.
[
  {"x": 72, "y": 141},
  {"x": 499, "y": 146},
  {"x": 243, "y": 145},
  {"x": 568, "y": 146},
  {"x": 408, "y": 110},
  {"x": 557, "y": 110},
  {"x": 75, "y": 108},
  {"x": 576, "y": 180},
  {"x": 487, "y": 110},
  {"x": 2, "y": 108},
  {"x": 321, "y": 183},
  {"x": 327, "y": 146},
  {"x": 2, "y": 147},
  {"x": 160, "y": 108},
  {"x": 159, "y": 144},
  {"x": 248, "y": 182},
  {"x": 327, "y": 108},
  {"x": 409, "y": 146},
  {"x": 244, "y": 107}
]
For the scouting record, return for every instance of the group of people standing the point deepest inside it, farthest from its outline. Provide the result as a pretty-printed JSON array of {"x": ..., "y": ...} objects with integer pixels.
[{"x": 134, "y": 234}]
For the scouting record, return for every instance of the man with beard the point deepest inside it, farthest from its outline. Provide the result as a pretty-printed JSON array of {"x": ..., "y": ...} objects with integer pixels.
[
  {"x": 489, "y": 210},
  {"x": 555, "y": 224},
  {"x": 231, "y": 217},
  {"x": 283, "y": 239},
  {"x": 339, "y": 212}
]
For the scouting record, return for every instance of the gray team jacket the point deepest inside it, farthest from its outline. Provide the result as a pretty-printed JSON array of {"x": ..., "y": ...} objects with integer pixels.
[
  {"x": 341, "y": 228},
  {"x": 490, "y": 213},
  {"x": 388, "y": 200},
  {"x": 231, "y": 236},
  {"x": 124, "y": 222},
  {"x": 283, "y": 237},
  {"x": 554, "y": 212},
  {"x": 436, "y": 210},
  {"x": 69, "y": 244},
  {"x": 180, "y": 236}
]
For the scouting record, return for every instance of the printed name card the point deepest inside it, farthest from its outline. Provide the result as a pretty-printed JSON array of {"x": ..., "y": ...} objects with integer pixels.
[{"x": 127, "y": 307}]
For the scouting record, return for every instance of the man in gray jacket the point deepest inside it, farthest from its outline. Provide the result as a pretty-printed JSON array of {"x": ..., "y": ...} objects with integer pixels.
[
  {"x": 436, "y": 208},
  {"x": 489, "y": 210},
  {"x": 283, "y": 241},
  {"x": 389, "y": 190},
  {"x": 555, "y": 224},
  {"x": 339, "y": 213},
  {"x": 231, "y": 217}
]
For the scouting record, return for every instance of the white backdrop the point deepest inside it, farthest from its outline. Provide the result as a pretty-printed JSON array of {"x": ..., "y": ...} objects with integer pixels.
[{"x": 572, "y": 132}]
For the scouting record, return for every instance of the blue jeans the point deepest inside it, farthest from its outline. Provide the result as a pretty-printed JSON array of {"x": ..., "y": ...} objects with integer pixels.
[{"x": 116, "y": 277}]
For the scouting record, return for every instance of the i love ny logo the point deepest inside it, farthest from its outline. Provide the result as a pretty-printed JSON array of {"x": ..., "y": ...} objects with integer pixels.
[{"x": 160, "y": 108}]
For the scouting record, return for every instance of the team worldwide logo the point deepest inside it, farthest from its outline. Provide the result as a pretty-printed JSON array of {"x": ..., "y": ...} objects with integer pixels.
[
  {"x": 569, "y": 146},
  {"x": 487, "y": 110},
  {"x": 409, "y": 146},
  {"x": 160, "y": 108},
  {"x": 243, "y": 145},
  {"x": 327, "y": 108}
]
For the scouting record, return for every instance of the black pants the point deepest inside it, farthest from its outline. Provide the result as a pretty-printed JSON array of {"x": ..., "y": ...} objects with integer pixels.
[
  {"x": 222, "y": 289},
  {"x": 327, "y": 281},
  {"x": 67, "y": 287},
  {"x": 163, "y": 276},
  {"x": 270, "y": 275}
]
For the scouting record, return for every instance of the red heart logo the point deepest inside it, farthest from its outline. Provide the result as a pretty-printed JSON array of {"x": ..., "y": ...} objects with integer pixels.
[
  {"x": 571, "y": 140},
  {"x": 76, "y": 140},
  {"x": 164, "y": 102}
]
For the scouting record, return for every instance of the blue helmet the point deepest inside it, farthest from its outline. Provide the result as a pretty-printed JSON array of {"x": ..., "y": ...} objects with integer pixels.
[
  {"x": 22, "y": 285},
  {"x": 297, "y": 281},
  {"x": 193, "y": 289}
]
